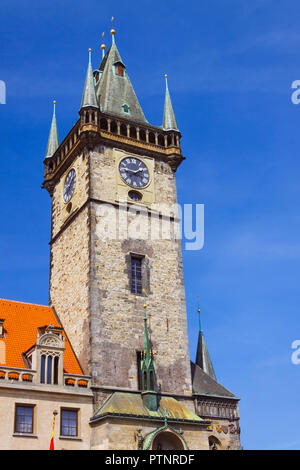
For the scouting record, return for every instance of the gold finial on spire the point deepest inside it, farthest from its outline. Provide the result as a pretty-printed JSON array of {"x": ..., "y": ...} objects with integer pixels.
[
  {"x": 112, "y": 31},
  {"x": 198, "y": 309},
  {"x": 166, "y": 76},
  {"x": 145, "y": 295},
  {"x": 103, "y": 46}
]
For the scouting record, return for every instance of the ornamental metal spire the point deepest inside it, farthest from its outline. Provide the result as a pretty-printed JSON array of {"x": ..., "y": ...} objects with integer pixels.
[
  {"x": 147, "y": 353},
  {"x": 112, "y": 31},
  {"x": 148, "y": 373},
  {"x": 89, "y": 94},
  {"x": 169, "y": 122},
  {"x": 202, "y": 357},
  {"x": 53, "y": 141},
  {"x": 103, "y": 46}
]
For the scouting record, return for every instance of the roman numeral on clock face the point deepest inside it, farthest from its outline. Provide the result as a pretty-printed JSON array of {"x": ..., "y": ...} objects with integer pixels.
[{"x": 134, "y": 172}]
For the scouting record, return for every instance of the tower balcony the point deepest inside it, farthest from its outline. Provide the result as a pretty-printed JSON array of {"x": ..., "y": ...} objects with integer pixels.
[{"x": 94, "y": 127}]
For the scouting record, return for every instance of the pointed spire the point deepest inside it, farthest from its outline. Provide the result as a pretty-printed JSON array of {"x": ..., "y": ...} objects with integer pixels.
[
  {"x": 147, "y": 351},
  {"x": 169, "y": 122},
  {"x": 202, "y": 357},
  {"x": 89, "y": 94},
  {"x": 114, "y": 89},
  {"x": 53, "y": 141},
  {"x": 148, "y": 373}
]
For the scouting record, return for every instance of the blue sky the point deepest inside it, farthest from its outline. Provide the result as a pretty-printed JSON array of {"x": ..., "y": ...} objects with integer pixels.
[{"x": 230, "y": 65}]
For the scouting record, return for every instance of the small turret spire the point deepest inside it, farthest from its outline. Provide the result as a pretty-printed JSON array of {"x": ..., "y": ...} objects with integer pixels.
[
  {"x": 89, "y": 93},
  {"x": 169, "y": 122},
  {"x": 202, "y": 357},
  {"x": 53, "y": 141}
]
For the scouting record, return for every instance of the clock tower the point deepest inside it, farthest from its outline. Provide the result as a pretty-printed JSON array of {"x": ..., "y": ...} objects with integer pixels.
[{"x": 111, "y": 177}]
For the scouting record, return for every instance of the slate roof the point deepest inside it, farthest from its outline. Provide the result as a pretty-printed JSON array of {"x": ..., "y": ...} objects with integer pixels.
[
  {"x": 169, "y": 121},
  {"x": 113, "y": 90},
  {"x": 203, "y": 358},
  {"x": 21, "y": 322},
  {"x": 89, "y": 93},
  {"x": 203, "y": 384},
  {"x": 53, "y": 141}
]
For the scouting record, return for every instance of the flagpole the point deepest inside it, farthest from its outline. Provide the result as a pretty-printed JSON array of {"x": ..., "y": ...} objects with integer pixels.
[{"x": 52, "y": 432}]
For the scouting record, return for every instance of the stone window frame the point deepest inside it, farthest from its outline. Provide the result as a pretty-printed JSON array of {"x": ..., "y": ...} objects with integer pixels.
[
  {"x": 145, "y": 272},
  {"x": 2, "y": 335},
  {"x": 139, "y": 370},
  {"x": 50, "y": 344},
  {"x": 69, "y": 436},
  {"x": 32, "y": 406}
]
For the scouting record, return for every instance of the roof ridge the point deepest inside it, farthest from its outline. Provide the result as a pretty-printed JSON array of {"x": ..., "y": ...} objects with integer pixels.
[{"x": 24, "y": 303}]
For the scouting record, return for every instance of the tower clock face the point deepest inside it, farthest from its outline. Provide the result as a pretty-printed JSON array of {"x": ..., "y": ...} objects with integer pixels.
[
  {"x": 69, "y": 185},
  {"x": 134, "y": 172}
]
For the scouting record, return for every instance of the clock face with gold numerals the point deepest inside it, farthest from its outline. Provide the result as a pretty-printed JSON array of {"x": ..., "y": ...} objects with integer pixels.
[{"x": 134, "y": 172}]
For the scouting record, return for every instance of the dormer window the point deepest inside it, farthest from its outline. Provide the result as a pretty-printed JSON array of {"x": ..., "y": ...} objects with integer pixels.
[
  {"x": 97, "y": 75},
  {"x": 126, "y": 108},
  {"x": 119, "y": 69},
  {"x": 1, "y": 328},
  {"x": 50, "y": 345}
]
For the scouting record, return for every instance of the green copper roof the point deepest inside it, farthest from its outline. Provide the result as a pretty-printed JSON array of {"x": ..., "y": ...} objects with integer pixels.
[
  {"x": 131, "y": 404},
  {"x": 169, "y": 122},
  {"x": 89, "y": 95},
  {"x": 53, "y": 141},
  {"x": 113, "y": 91}
]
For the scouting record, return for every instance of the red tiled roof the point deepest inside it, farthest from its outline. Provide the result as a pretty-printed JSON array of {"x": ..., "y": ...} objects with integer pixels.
[{"x": 21, "y": 322}]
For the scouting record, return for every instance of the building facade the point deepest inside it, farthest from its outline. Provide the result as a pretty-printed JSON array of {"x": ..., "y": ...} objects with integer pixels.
[{"x": 117, "y": 289}]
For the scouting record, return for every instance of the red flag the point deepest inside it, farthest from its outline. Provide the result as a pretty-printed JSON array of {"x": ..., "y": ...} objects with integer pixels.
[{"x": 52, "y": 435}]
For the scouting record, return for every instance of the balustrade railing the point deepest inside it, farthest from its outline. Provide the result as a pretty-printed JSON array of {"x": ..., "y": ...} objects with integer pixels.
[{"x": 18, "y": 375}]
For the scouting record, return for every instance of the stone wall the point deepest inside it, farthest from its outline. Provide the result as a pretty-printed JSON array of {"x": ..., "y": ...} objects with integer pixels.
[
  {"x": 44, "y": 405},
  {"x": 116, "y": 313},
  {"x": 90, "y": 289},
  {"x": 70, "y": 260},
  {"x": 123, "y": 434}
]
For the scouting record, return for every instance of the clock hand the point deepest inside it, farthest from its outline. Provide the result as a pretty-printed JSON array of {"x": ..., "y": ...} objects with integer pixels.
[{"x": 131, "y": 171}]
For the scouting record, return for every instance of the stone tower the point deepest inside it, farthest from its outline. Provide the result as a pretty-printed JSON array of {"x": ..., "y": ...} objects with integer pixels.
[{"x": 111, "y": 175}]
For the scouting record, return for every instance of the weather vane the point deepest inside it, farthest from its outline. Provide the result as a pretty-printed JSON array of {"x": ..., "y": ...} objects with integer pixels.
[
  {"x": 103, "y": 47},
  {"x": 112, "y": 31}
]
